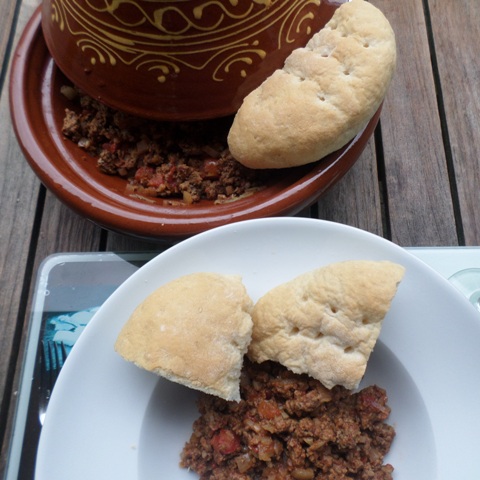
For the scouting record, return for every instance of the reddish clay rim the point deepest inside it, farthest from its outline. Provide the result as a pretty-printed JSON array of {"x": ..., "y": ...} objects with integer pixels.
[{"x": 37, "y": 107}]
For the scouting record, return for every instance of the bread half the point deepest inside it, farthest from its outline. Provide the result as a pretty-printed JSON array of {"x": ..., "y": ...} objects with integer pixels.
[
  {"x": 323, "y": 96},
  {"x": 325, "y": 323},
  {"x": 194, "y": 330}
]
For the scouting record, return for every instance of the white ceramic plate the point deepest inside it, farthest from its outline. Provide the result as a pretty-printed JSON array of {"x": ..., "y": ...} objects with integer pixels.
[{"x": 110, "y": 420}]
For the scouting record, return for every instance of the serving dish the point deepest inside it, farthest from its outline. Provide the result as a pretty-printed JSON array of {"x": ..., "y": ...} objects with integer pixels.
[
  {"x": 37, "y": 110},
  {"x": 109, "y": 419}
]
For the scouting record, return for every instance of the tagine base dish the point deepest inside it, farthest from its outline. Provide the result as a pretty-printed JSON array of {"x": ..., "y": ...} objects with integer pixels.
[{"x": 38, "y": 107}]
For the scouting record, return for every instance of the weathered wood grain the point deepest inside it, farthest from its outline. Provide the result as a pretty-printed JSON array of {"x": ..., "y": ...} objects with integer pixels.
[
  {"x": 28, "y": 234},
  {"x": 456, "y": 30},
  {"x": 19, "y": 191},
  {"x": 418, "y": 191},
  {"x": 117, "y": 242},
  {"x": 62, "y": 230},
  {"x": 355, "y": 199},
  {"x": 7, "y": 18}
]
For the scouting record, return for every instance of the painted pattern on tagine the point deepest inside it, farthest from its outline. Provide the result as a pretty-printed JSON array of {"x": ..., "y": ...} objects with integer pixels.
[{"x": 224, "y": 36}]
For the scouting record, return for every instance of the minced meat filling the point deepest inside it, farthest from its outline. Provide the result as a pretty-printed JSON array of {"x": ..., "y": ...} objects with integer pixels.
[
  {"x": 186, "y": 160},
  {"x": 290, "y": 426}
]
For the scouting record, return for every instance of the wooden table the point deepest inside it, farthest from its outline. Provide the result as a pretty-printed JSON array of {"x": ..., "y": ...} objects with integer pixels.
[{"x": 417, "y": 182}]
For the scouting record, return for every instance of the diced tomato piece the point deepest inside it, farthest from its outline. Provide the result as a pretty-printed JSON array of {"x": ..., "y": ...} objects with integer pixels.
[
  {"x": 225, "y": 442},
  {"x": 143, "y": 173},
  {"x": 156, "y": 181}
]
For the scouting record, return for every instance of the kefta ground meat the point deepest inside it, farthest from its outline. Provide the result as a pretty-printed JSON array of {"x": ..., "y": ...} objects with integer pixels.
[
  {"x": 290, "y": 426},
  {"x": 186, "y": 160}
]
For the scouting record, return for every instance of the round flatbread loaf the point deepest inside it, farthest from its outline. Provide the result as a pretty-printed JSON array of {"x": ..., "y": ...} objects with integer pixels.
[
  {"x": 194, "y": 330},
  {"x": 326, "y": 322},
  {"x": 324, "y": 95}
]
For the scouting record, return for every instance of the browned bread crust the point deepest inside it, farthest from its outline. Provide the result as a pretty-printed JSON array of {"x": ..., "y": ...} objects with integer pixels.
[{"x": 324, "y": 95}]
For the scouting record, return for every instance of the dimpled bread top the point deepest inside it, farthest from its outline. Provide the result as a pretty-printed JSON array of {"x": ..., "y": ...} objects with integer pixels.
[{"x": 323, "y": 97}]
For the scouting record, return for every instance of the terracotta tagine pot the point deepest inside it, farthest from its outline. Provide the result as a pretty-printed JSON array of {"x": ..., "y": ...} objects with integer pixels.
[{"x": 176, "y": 59}]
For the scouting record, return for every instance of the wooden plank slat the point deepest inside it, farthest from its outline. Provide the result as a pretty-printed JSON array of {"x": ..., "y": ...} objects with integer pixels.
[
  {"x": 419, "y": 201},
  {"x": 19, "y": 190},
  {"x": 16, "y": 221},
  {"x": 60, "y": 231},
  {"x": 117, "y": 242},
  {"x": 355, "y": 199},
  {"x": 7, "y": 18},
  {"x": 456, "y": 30}
]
